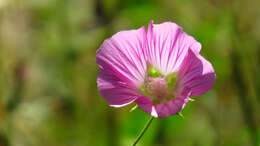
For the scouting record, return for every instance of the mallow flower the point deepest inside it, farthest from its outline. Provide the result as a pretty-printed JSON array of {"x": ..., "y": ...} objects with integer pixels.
[{"x": 159, "y": 69}]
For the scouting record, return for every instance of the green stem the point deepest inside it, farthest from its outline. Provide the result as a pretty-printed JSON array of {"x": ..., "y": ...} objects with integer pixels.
[{"x": 143, "y": 131}]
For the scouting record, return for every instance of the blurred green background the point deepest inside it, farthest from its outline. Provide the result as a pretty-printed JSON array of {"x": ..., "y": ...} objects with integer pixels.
[{"x": 48, "y": 91}]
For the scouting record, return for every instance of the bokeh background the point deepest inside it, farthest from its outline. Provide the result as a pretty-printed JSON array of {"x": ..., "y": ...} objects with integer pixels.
[{"x": 48, "y": 91}]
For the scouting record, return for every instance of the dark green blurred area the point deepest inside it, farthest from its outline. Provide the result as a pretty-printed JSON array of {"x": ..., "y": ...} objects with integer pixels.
[{"x": 48, "y": 91}]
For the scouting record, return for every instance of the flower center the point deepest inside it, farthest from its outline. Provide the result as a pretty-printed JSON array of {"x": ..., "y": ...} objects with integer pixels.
[{"x": 159, "y": 88}]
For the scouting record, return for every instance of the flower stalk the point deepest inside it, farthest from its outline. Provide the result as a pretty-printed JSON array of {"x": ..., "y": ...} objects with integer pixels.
[{"x": 143, "y": 131}]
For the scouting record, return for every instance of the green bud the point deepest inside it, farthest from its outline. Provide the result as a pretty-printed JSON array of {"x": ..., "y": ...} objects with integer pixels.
[
  {"x": 180, "y": 115},
  {"x": 134, "y": 108}
]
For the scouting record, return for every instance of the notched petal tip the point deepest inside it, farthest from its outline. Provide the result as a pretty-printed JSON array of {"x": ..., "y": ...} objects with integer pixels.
[{"x": 151, "y": 23}]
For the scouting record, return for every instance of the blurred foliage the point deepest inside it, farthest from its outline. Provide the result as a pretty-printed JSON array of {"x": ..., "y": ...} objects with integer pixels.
[{"x": 48, "y": 91}]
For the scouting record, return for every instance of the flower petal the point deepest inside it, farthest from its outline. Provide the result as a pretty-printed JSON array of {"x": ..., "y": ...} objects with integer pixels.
[
  {"x": 165, "y": 109},
  {"x": 168, "y": 45},
  {"x": 122, "y": 66},
  {"x": 147, "y": 106},
  {"x": 122, "y": 55},
  {"x": 172, "y": 107},
  {"x": 116, "y": 92},
  {"x": 196, "y": 73}
]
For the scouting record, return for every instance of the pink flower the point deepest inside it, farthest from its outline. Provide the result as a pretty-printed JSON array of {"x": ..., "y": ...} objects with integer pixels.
[{"x": 159, "y": 69}]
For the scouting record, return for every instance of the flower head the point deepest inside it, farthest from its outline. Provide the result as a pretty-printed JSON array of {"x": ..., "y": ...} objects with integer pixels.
[{"x": 159, "y": 69}]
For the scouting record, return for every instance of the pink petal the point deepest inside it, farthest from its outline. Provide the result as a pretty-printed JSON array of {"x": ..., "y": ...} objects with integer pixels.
[
  {"x": 123, "y": 66},
  {"x": 168, "y": 45},
  {"x": 116, "y": 92},
  {"x": 196, "y": 73},
  {"x": 165, "y": 109},
  {"x": 171, "y": 108},
  {"x": 123, "y": 62},
  {"x": 147, "y": 106}
]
